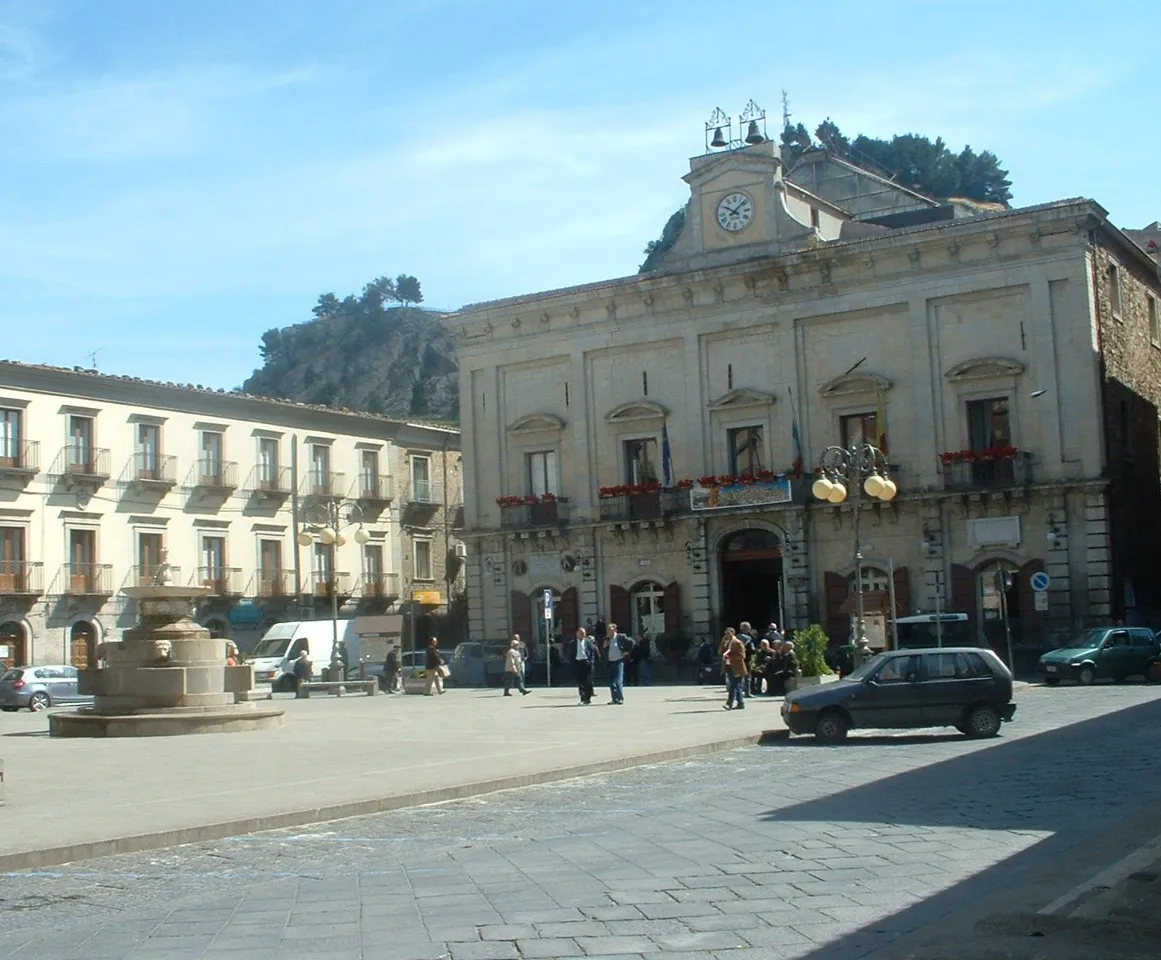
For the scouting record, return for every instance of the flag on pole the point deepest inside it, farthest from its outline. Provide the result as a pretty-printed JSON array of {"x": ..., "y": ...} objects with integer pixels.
[
  {"x": 881, "y": 421},
  {"x": 666, "y": 456},
  {"x": 795, "y": 433}
]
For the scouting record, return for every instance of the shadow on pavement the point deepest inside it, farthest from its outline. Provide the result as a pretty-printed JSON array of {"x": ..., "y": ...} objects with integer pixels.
[{"x": 1106, "y": 766}]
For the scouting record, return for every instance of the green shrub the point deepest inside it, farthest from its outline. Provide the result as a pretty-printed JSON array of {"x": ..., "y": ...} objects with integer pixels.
[{"x": 810, "y": 645}]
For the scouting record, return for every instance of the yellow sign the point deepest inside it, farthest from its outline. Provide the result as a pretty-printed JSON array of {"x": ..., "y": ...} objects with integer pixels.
[{"x": 429, "y": 598}]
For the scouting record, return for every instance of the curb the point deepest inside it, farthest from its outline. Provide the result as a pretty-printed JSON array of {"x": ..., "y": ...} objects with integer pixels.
[{"x": 54, "y": 856}]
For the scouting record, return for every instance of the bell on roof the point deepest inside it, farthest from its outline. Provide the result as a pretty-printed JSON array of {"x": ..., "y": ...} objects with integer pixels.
[
  {"x": 719, "y": 140},
  {"x": 753, "y": 134}
]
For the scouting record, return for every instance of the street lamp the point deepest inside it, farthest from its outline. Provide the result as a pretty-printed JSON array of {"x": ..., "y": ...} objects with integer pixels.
[
  {"x": 325, "y": 522},
  {"x": 865, "y": 466}
]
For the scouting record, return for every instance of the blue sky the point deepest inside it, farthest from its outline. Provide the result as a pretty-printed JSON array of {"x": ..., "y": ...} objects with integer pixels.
[{"x": 177, "y": 178}]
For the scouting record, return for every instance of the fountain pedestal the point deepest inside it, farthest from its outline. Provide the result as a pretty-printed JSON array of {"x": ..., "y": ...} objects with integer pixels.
[{"x": 165, "y": 676}]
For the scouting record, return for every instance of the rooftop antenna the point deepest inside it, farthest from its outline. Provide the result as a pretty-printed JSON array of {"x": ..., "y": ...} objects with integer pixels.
[
  {"x": 92, "y": 356},
  {"x": 785, "y": 110}
]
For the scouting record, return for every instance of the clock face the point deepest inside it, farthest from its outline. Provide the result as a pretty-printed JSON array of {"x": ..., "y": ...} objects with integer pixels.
[{"x": 735, "y": 211}]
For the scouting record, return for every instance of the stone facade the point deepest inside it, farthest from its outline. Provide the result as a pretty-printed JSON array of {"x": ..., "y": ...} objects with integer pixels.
[
  {"x": 103, "y": 477},
  {"x": 967, "y": 347}
]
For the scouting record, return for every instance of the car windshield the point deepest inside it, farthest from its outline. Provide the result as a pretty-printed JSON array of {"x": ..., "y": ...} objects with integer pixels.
[
  {"x": 274, "y": 647},
  {"x": 11, "y": 675},
  {"x": 1087, "y": 638},
  {"x": 867, "y": 668}
]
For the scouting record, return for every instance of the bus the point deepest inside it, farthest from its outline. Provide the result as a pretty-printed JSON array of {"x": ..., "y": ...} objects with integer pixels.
[{"x": 935, "y": 630}]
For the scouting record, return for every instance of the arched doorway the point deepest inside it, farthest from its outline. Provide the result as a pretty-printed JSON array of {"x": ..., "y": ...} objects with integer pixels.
[
  {"x": 751, "y": 578},
  {"x": 13, "y": 644},
  {"x": 647, "y": 608},
  {"x": 83, "y": 644}
]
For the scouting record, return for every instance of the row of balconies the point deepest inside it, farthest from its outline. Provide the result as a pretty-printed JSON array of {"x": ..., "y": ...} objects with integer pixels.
[
  {"x": 26, "y": 578},
  {"x": 967, "y": 474}
]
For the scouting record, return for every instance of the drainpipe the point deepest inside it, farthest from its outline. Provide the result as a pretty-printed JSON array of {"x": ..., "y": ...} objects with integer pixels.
[{"x": 294, "y": 523}]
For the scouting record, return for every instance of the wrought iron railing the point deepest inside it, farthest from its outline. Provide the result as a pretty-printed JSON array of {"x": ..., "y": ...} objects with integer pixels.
[
  {"x": 543, "y": 513},
  {"x": 21, "y": 578}
]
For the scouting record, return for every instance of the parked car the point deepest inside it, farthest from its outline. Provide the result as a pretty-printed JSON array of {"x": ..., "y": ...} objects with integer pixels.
[
  {"x": 968, "y": 688},
  {"x": 39, "y": 688},
  {"x": 477, "y": 664},
  {"x": 1116, "y": 652}
]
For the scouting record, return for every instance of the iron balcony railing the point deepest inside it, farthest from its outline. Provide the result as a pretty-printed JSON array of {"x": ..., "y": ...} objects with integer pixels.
[
  {"x": 86, "y": 579},
  {"x": 543, "y": 513},
  {"x": 323, "y": 583},
  {"x": 644, "y": 506},
  {"x": 19, "y": 456},
  {"x": 323, "y": 485},
  {"x": 152, "y": 469},
  {"x": 266, "y": 584},
  {"x": 373, "y": 488},
  {"x": 21, "y": 578},
  {"x": 222, "y": 581},
  {"x": 379, "y": 586},
  {"x": 212, "y": 474},
  {"x": 85, "y": 463},
  {"x": 988, "y": 473},
  {"x": 269, "y": 481},
  {"x": 147, "y": 574},
  {"x": 425, "y": 491}
]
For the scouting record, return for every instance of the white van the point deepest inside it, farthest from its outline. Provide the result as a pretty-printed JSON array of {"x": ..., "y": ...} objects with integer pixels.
[{"x": 273, "y": 657}]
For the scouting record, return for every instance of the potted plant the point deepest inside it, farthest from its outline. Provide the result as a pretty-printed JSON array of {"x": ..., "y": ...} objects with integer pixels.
[{"x": 810, "y": 651}]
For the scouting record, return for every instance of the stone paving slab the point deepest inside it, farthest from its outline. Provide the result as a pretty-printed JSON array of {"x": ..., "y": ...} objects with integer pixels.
[{"x": 337, "y": 757}]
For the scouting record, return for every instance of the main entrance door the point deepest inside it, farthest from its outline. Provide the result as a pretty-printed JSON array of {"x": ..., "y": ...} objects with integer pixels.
[{"x": 751, "y": 579}]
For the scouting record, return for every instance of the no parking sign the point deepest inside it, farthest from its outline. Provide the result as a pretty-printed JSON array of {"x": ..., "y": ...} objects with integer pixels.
[{"x": 1039, "y": 581}]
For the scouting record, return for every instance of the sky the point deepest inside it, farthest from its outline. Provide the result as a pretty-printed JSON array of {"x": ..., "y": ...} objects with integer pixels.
[{"x": 177, "y": 178}]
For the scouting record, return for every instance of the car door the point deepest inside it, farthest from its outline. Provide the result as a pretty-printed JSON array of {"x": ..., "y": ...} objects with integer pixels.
[
  {"x": 943, "y": 688},
  {"x": 892, "y": 697},
  {"x": 52, "y": 681},
  {"x": 1143, "y": 650},
  {"x": 1114, "y": 659}
]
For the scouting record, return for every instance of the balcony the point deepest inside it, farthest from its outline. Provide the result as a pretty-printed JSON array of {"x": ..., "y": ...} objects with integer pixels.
[
  {"x": 648, "y": 505},
  {"x": 525, "y": 515},
  {"x": 146, "y": 574},
  {"x": 324, "y": 583},
  {"x": 214, "y": 476},
  {"x": 221, "y": 581},
  {"x": 21, "y": 578},
  {"x": 425, "y": 491},
  {"x": 323, "y": 486},
  {"x": 87, "y": 466},
  {"x": 373, "y": 489},
  {"x": 966, "y": 471},
  {"x": 19, "y": 458},
  {"x": 269, "y": 584},
  {"x": 151, "y": 470},
  {"x": 267, "y": 482},
  {"x": 86, "y": 580},
  {"x": 378, "y": 586}
]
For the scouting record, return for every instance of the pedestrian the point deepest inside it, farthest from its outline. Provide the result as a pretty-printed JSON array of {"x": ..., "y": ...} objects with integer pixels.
[
  {"x": 643, "y": 655},
  {"x": 760, "y": 667},
  {"x": 514, "y": 668},
  {"x": 705, "y": 661},
  {"x": 630, "y": 662},
  {"x": 522, "y": 647},
  {"x": 736, "y": 668},
  {"x": 845, "y": 658},
  {"x": 617, "y": 647},
  {"x": 723, "y": 645},
  {"x": 391, "y": 671},
  {"x": 434, "y": 665},
  {"x": 231, "y": 653},
  {"x": 584, "y": 655},
  {"x": 303, "y": 671},
  {"x": 791, "y": 662}
]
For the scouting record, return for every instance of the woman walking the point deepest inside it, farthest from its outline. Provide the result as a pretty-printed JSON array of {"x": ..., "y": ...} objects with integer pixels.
[{"x": 433, "y": 663}]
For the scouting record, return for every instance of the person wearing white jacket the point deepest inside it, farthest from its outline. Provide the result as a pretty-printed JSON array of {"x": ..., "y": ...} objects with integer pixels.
[{"x": 514, "y": 669}]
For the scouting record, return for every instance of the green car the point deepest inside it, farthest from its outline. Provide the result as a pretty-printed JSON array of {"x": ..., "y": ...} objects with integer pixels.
[{"x": 1116, "y": 652}]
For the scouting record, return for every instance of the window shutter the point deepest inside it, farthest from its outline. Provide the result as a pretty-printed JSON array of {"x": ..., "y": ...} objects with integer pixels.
[
  {"x": 619, "y": 608},
  {"x": 902, "y": 592},
  {"x": 838, "y": 624},
  {"x": 522, "y": 615},
  {"x": 963, "y": 595},
  {"x": 672, "y": 601},
  {"x": 569, "y": 619},
  {"x": 1031, "y": 619}
]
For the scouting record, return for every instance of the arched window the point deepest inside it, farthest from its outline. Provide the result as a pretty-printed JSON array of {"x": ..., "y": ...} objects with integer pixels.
[
  {"x": 874, "y": 578},
  {"x": 648, "y": 610}
]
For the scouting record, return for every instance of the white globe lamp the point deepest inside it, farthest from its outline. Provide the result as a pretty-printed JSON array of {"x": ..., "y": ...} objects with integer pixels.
[
  {"x": 361, "y": 536},
  {"x": 822, "y": 488},
  {"x": 327, "y": 535},
  {"x": 874, "y": 486},
  {"x": 305, "y": 539},
  {"x": 838, "y": 493}
]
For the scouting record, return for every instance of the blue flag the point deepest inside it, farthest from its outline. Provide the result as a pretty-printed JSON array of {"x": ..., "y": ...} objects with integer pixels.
[{"x": 666, "y": 456}]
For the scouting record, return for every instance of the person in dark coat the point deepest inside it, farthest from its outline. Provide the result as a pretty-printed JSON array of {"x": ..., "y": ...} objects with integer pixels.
[
  {"x": 705, "y": 661},
  {"x": 433, "y": 664},
  {"x": 303, "y": 671},
  {"x": 391, "y": 671},
  {"x": 583, "y": 653}
]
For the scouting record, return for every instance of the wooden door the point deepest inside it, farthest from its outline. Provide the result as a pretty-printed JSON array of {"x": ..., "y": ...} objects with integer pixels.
[{"x": 82, "y": 560}]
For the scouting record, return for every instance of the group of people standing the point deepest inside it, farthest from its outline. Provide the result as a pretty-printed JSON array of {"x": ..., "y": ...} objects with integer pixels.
[
  {"x": 752, "y": 664},
  {"x": 615, "y": 648}
]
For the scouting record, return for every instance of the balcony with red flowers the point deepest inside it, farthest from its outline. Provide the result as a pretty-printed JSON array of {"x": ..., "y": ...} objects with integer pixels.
[
  {"x": 992, "y": 469},
  {"x": 532, "y": 511},
  {"x": 633, "y": 502}
]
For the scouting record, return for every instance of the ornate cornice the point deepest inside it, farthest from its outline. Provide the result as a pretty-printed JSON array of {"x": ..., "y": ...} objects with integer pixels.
[
  {"x": 982, "y": 368},
  {"x": 855, "y": 383},
  {"x": 636, "y": 410}
]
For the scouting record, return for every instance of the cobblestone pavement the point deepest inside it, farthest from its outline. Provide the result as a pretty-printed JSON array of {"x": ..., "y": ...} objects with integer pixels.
[{"x": 787, "y": 850}]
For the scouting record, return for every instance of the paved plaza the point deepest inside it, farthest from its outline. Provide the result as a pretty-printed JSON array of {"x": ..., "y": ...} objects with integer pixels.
[{"x": 783, "y": 850}]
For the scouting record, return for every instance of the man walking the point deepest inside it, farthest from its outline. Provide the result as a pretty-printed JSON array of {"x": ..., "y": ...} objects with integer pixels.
[
  {"x": 584, "y": 655},
  {"x": 736, "y": 671},
  {"x": 522, "y": 649},
  {"x": 617, "y": 645},
  {"x": 513, "y": 669},
  {"x": 391, "y": 671}
]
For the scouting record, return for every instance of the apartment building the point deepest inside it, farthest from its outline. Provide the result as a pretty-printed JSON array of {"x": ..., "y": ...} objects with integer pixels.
[{"x": 103, "y": 479}]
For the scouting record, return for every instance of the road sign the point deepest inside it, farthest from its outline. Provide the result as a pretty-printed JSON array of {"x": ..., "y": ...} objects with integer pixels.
[
  {"x": 1039, "y": 581},
  {"x": 548, "y": 605},
  {"x": 1040, "y": 601}
]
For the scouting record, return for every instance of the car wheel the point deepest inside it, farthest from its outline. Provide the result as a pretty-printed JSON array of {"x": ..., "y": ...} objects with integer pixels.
[
  {"x": 831, "y": 727},
  {"x": 38, "y": 702},
  {"x": 1153, "y": 673},
  {"x": 1051, "y": 681},
  {"x": 1087, "y": 676},
  {"x": 983, "y": 721}
]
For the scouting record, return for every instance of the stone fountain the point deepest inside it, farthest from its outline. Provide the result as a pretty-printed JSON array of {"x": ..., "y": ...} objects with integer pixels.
[{"x": 165, "y": 676}]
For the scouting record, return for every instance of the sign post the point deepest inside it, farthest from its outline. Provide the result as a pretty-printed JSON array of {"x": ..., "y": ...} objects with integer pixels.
[
  {"x": 548, "y": 638},
  {"x": 1039, "y": 582}
]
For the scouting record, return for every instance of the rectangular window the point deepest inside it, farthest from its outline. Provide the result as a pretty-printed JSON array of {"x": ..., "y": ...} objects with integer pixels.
[
  {"x": 211, "y": 465},
  {"x": 320, "y": 469},
  {"x": 11, "y": 559},
  {"x": 148, "y": 451},
  {"x": 746, "y": 455},
  {"x": 268, "y": 463},
  {"x": 1115, "y": 290},
  {"x": 988, "y": 425},
  {"x": 81, "y": 432},
  {"x": 149, "y": 550},
  {"x": 1154, "y": 322},
  {"x": 542, "y": 475},
  {"x": 421, "y": 479},
  {"x": 641, "y": 461},
  {"x": 323, "y": 564},
  {"x": 369, "y": 472},
  {"x": 213, "y": 561},
  {"x": 859, "y": 428},
  {"x": 270, "y": 578},
  {"x": 10, "y": 437},
  {"x": 373, "y": 561},
  {"x": 421, "y": 569}
]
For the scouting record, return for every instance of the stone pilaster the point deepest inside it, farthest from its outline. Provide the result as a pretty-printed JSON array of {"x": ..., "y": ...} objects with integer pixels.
[
  {"x": 697, "y": 556},
  {"x": 796, "y": 570},
  {"x": 1098, "y": 556}
]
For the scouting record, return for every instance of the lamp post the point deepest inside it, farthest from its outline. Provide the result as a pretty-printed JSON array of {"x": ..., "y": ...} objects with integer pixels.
[
  {"x": 863, "y": 467},
  {"x": 324, "y": 523}
]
